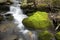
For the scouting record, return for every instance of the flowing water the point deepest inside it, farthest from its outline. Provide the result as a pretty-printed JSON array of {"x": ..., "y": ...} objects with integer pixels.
[{"x": 18, "y": 15}]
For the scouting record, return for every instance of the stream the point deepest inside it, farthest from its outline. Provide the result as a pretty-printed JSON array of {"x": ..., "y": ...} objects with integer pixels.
[{"x": 18, "y": 15}]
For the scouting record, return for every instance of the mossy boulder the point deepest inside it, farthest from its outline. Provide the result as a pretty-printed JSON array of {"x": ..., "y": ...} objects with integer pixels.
[
  {"x": 45, "y": 35},
  {"x": 38, "y": 20},
  {"x": 57, "y": 36}
]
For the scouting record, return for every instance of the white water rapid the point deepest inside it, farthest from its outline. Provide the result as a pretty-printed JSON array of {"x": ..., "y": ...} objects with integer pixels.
[{"x": 18, "y": 15}]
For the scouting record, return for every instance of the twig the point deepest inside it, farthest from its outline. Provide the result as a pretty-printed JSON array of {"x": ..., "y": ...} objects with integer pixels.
[{"x": 57, "y": 27}]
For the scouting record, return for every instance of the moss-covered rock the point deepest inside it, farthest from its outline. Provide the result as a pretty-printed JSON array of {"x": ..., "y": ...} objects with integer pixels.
[
  {"x": 38, "y": 20},
  {"x": 57, "y": 36},
  {"x": 45, "y": 35}
]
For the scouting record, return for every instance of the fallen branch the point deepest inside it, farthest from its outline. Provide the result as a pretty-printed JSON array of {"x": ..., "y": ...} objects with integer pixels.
[{"x": 57, "y": 27}]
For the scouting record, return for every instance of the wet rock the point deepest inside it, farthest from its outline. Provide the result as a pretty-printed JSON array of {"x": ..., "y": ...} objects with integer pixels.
[
  {"x": 7, "y": 30},
  {"x": 6, "y": 26},
  {"x": 1, "y": 18},
  {"x": 38, "y": 20},
  {"x": 1, "y": 1},
  {"x": 11, "y": 37},
  {"x": 4, "y": 7},
  {"x": 9, "y": 17}
]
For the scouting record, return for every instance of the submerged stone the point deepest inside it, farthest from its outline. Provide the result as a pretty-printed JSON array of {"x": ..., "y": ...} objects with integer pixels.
[{"x": 38, "y": 20}]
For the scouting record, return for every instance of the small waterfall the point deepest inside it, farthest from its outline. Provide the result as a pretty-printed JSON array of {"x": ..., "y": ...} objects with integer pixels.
[{"x": 18, "y": 17}]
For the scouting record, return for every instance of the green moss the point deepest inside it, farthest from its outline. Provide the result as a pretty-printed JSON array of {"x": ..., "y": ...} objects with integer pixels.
[
  {"x": 45, "y": 35},
  {"x": 57, "y": 36},
  {"x": 38, "y": 20}
]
